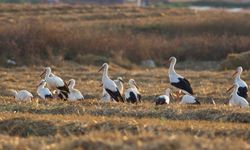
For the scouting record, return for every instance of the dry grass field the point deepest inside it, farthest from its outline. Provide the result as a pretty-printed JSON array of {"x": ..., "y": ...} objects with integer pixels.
[{"x": 92, "y": 124}]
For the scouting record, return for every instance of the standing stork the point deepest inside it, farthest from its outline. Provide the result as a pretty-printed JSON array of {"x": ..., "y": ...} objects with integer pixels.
[
  {"x": 237, "y": 100},
  {"x": 243, "y": 88},
  {"x": 74, "y": 94},
  {"x": 177, "y": 80},
  {"x": 43, "y": 92},
  {"x": 119, "y": 82},
  {"x": 132, "y": 95},
  {"x": 55, "y": 82},
  {"x": 109, "y": 85}
]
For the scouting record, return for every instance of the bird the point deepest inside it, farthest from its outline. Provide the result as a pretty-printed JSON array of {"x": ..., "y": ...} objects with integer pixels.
[
  {"x": 132, "y": 95},
  {"x": 105, "y": 96},
  {"x": 74, "y": 94},
  {"x": 119, "y": 82},
  {"x": 163, "y": 99},
  {"x": 22, "y": 95},
  {"x": 177, "y": 80},
  {"x": 237, "y": 100},
  {"x": 189, "y": 99},
  {"x": 109, "y": 85},
  {"x": 55, "y": 82},
  {"x": 43, "y": 92},
  {"x": 243, "y": 88}
]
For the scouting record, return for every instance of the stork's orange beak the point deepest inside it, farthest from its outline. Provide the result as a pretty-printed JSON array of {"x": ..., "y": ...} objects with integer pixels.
[
  {"x": 230, "y": 88},
  {"x": 101, "y": 69},
  {"x": 235, "y": 73},
  {"x": 42, "y": 73}
]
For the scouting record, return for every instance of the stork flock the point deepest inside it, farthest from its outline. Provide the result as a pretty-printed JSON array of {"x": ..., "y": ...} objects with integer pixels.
[{"x": 113, "y": 89}]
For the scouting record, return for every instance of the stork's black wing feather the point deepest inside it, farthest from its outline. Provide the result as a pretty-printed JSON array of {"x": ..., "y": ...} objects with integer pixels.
[
  {"x": 115, "y": 95},
  {"x": 183, "y": 84}
]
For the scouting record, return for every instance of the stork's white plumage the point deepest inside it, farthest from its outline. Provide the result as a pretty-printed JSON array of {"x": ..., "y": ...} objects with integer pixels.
[
  {"x": 22, "y": 95},
  {"x": 119, "y": 82},
  {"x": 163, "y": 99},
  {"x": 243, "y": 88},
  {"x": 189, "y": 99},
  {"x": 132, "y": 95},
  {"x": 74, "y": 94},
  {"x": 105, "y": 96},
  {"x": 177, "y": 80},
  {"x": 237, "y": 100},
  {"x": 109, "y": 85},
  {"x": 55, "y": 82},
  {"x": 43, "y": 92}
]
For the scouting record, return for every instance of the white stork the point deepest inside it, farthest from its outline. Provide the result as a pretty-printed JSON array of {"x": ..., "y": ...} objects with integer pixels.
[
  {"x": 189, "y": 99},
  {"x": 74, "y": 94},
  {"x": 243, "y": 88},
  {"x": 43, "y": 92},
  {"x": 177, "y": 80},
  {"x": 237, "y": 100},
  {"x": 55, "y": 82},
  {"x": 119, "y": 82},
  {"x": 132, "y": 95},
  {"x": 163, "y": 99},
  {"x": 22, "y": 95},
  {"x": 109, "y": 85}
]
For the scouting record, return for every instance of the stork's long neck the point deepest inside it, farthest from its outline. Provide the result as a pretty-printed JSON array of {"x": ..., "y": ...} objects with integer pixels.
[
  {"x": 235, "y": 92},
  {"x": 171, "y": 68},
  {"x": 105, "y": 74},
  {"x": 72, "y": 84},
  {"x": 41, "y": 86},
  {"x": 48, "y": 72},
  {"x": 238, "y": 76}
]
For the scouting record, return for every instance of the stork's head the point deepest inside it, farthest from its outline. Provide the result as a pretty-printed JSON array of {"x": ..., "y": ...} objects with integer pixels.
[
  {"x": 71, "y": 82},
  {"x": 238, "y": 70},
  {"x": 104, "y": 67},
  {"x": 42, "y": 83},
  {"x": 235, "y": 87},
  {"x": 47, "y": 70},
  {"x": 120, "y": 79},
  {"x": 132, "y": 82},
  {"x": 172, "y": 59}
]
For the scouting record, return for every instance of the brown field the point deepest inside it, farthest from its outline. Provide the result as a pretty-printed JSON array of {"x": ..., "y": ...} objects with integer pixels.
[{"x": 92, "y": 124}]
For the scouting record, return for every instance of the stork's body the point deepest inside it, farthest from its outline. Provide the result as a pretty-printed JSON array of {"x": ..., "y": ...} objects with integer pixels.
[
  {"x": 119, "y": 83},
  {"x": 55, "y": 82},
  {"x": 189, "y": 99},
  {"x": 163, "y": 99},
  {"x": 109, "y": 85},
  {"x": 23, "y": 95},
  {"x": 43, "y": 92},
  {"x": 74, "y": 94},
  {"x": 177, "y": 80},
  {"x": 237, "y": 100},
  {"x": 243, "y": 88},
  {"x": 132, "y": 95}
]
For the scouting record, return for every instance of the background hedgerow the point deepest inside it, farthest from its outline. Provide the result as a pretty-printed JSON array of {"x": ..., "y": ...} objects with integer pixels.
[{"x": 31, "y": 34}]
